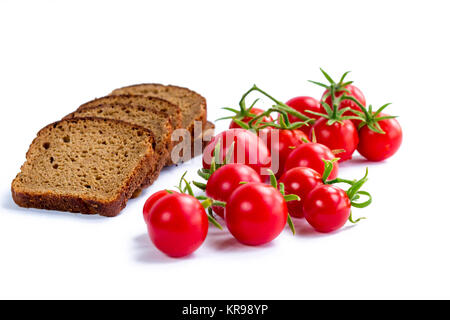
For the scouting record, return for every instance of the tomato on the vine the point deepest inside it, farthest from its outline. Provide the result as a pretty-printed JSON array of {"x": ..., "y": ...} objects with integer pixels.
[
  {"x": 253, "y": 111},
  {"x": 256, "y": 213},
  {"x": 177, "y": 224},
  {"x": 349, "y": 90},
  {"x": 341, "y": 135},
  {"x": 375, "y": 146},
  {"x": 327, "y": 208},
  {"x": 299, "y": 181},
  {"x": 281, "y": 142},
  {"x": 312, "y": 155},
  {"x": 222, "y": 183},
  {"x": 303, "y": 105},
  {"x": 248, "y": 149},
  {"x": 151, "y": 201}
]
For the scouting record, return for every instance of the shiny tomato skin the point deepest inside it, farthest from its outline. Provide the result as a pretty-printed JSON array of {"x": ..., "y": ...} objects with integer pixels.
[
  {"x": 256, "y": 213},
  {"x": 311, "y": 155},
  {"x": 177, "y": 224},
  {"x": 354, "y": 92},
  {"x": 226, "y": 179},
  {"x": 340, "y": 135},
  {"x": 255, "y": 111},
  {"x": 249, "y": 149},
  {"x": 151, "y": 201},
  {"x": 327, "y": 208},
  {"x": 299, "y": 181},
  {"x": 282, "y": 142},
  {"x": 378, "y": 147},
  {"x": 302, "y": 104}
]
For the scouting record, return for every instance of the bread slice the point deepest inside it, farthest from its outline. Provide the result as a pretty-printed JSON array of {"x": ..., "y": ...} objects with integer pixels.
[
  {"x": 150, "y": 117},
  {"x": 152, "y": 103},
  {"x": 193, "y": 105},
  {"x": 87, "y": 165}
]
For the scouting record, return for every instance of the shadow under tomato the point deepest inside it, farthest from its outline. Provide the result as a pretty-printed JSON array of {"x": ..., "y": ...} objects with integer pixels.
[
  {"x": 304, "y": 229},
  {"x": 146, "y": 252},
  {"x": 223, "y": 241},
  {"x": 230, "y": 244},
  {"x": 358, "y": 160}
]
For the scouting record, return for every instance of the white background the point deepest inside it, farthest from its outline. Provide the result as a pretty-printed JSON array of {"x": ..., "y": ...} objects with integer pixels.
[{"x": 57, "y": 55}]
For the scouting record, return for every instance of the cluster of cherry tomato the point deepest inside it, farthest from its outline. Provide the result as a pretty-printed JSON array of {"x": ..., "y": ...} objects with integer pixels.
[{"x": 308, "y": 139}]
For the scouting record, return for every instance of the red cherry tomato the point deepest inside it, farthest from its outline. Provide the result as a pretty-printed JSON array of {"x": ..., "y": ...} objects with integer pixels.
[
  {"x": 326, "y": 208},
  {"x": 151, "y": 201},
  {"x": 226, "y": 179},
  {"x": 282, "y": 142},
  {"x": 354, "y": 92},
  {"x": 256, "y": 112},
  {"x": 299, "y": 181},
  {"x": 341, "y": 135},
  {"x": 256, "y": 213},
  {"x": 376, "y": 146},
  {"x": 311, "y": 155},
  {"x": 177, "y": 224},
  {"x": 248, "y": 149},
  {"x": 303, "y": 104}
]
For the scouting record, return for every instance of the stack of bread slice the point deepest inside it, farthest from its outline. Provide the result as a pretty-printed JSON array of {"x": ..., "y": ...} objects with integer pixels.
[{"x": 97, "y": 157}]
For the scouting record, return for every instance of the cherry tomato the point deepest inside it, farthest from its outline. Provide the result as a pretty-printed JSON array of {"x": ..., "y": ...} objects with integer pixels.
[
  {"x": 255, "y": 111},
  {"x": 341, "y": 135},
  {"x": 226, "y": 179},
  {"x": 177, "y": 224},
  {"x": 326, "y": 208},
  {"x": 282, "y": 142},
  {"x": 302, "y": 104},
  {"x": 256, "y": 213},
  {"x": 376, "y": 146},
  {"x": 151, "y": 201},
  {"x": 354, "y": 92},
  {"x": 311, "y": 155},
  {"x": 248, "y": 149},
  {"x": 299, "y": 181}
]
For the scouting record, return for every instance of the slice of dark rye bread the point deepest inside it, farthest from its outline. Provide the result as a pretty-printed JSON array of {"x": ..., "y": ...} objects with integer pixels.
[
  {"x": 114, "y": 105},
  {"x": 87, "y": 165},
  {"x": 154, "y": 104},
  {"x": 192, "y": 105},
  {"x": 150, "y": 117}
]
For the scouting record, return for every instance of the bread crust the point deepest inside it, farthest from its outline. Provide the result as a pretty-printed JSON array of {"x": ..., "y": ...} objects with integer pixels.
[
  {"x": 208, "y": 126},
  {"x": 84, "y": 204},
  {"x": 201, "y": 117},
  {"x": 176, "y": 122}
]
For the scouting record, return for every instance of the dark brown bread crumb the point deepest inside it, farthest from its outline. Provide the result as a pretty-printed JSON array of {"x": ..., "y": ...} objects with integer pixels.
[
  {"x": 152, "y": 118},
  {"x": 87, "y": 165},
  {"x": 151, "y": 103}
]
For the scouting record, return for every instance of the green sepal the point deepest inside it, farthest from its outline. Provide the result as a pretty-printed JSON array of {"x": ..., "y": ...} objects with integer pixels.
[
  {"x": 219, "y": 203},
  {"x": 361, "y": 204},
  {"x": 291, "y": 224},
  {"x": 212, "y": 219},
  {"x": 201, "y": 186},
  {"x": 291, "y": 197},
  {"x": 204, "y": 173},
  {"x": 350, "y": 218},
  {"x": 328, "y": 168}
]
